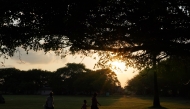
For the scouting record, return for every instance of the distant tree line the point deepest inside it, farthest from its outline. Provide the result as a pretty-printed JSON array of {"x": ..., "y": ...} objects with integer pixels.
[
  {"x": 71, "y": 79},
  {"x": 173, "y": 79}
]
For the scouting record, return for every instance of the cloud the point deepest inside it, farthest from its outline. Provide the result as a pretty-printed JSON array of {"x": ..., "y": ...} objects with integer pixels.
[
  {"x": 2, "y": 66},
  {"x": 38, "y": 57}
]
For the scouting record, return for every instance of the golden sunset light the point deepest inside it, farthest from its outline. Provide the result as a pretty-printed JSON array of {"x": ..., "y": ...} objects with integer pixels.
[
  {"x": 118, "y": 66},
  {"x": 51, "y": 62}
]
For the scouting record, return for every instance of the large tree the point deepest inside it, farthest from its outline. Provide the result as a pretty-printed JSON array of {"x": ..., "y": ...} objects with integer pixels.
[
  {"x": 140, "y": 32},
  {"x": 76, "y": 78},
  {"x": 173, "y": 78}
]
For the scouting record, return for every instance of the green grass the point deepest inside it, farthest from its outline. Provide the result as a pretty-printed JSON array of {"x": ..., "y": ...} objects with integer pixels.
[{"x": 75, "y": 102}]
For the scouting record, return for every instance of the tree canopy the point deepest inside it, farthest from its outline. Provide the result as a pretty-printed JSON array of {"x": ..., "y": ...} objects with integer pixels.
[
  {"x": 173, "y": 79},
  {"x": 71, "y": 79},
  {"x": 151, "y": 27},
  {"x": 140, "y": 32}
]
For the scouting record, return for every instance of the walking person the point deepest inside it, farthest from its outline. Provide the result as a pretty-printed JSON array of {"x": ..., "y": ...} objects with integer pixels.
[
  {"x": 95, "y": 102},
  {"x": 50, "y": 101},
  {"x": 84, "y": 106}
]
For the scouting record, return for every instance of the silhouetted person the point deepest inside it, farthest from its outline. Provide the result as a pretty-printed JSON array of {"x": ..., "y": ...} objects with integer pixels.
[
  {"x": 2, "y": 100},
  {"x": 95, "y": 102},
  {"x": 84, "y": 106},
  {"x": 50, "y": 101}
]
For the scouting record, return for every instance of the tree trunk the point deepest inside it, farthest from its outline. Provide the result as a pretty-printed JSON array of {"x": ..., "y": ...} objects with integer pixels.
[{"x": 156, "y": 101}]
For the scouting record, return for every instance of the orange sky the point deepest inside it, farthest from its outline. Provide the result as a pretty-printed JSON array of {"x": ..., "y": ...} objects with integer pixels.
[{"x": 51, "y": 62}]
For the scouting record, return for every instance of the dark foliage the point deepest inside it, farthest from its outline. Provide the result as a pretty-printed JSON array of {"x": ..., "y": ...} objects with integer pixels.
[
  {"x": 72, "y": 79},
  {"x": 173, "y": 79}
]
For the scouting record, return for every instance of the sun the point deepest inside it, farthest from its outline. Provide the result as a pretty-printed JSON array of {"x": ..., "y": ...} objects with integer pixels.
[{"x": 118, "y": 66}]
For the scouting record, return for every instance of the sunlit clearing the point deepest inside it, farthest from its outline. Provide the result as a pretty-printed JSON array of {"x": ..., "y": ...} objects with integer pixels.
[{"x": 118, "y": 66}]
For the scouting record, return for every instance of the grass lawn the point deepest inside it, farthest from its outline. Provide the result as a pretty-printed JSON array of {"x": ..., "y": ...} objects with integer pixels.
[{"x": 75, "y": 102}]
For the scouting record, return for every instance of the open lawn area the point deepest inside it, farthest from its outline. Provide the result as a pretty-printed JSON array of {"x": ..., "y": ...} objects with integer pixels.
[{"x": 75, "y": 102}]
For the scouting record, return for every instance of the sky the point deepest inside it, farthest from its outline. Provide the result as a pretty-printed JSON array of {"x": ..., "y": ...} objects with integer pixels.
[{"x": 39, "y": 60}]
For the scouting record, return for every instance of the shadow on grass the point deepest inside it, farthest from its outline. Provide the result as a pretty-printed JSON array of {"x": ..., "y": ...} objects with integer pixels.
[
  {"x": 152, "y": 107},
  {"x": 108, "y": 100}
]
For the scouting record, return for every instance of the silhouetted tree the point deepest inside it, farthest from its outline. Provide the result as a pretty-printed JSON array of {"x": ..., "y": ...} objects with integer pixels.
[
  {"x": 76, "y": 78},
  {"x": 141, "y": 32},
  {"x": 23, "y": 82},
  {"x": 173, "y": 78}
]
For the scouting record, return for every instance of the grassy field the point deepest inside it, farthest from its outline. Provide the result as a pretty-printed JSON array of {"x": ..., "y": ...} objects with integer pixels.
[{"x": 75, "y": 102}]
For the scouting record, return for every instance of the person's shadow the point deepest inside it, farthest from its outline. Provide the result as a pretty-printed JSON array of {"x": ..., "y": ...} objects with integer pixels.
[{"x": 2, "y": 100}]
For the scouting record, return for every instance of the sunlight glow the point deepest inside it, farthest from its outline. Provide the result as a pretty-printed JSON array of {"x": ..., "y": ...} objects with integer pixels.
[
  {"x": 118, "y": 66},
  {"x": 123, "y": 72}
]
